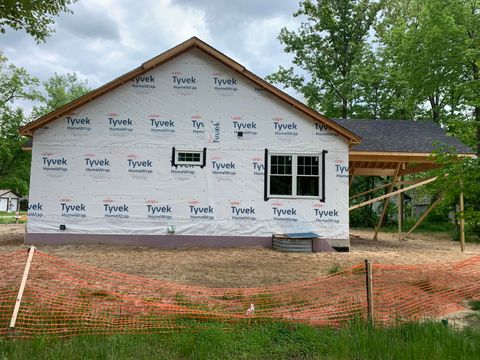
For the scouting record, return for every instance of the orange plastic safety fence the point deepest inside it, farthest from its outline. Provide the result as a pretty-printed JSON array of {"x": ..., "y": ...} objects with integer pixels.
[
  {"x": 63, "y": 298},
  {"x": 424, "y": 291}
]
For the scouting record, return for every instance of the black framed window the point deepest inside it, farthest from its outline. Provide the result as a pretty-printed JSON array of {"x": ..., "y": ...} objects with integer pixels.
[
  {"x": 189, "y": 157},
  {"x": 308, "y": 176},
  {"x": 281, "y": 175},
  {"x": 294, "y": 175}
]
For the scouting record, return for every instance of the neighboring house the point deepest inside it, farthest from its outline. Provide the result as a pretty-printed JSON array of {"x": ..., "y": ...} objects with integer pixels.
[
  {"x": 9, "y": 200},
  {"x": 192, "y": 149}
]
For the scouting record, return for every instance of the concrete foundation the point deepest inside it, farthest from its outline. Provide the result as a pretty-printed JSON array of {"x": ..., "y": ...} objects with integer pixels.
[{"x": 172, "y": 241}]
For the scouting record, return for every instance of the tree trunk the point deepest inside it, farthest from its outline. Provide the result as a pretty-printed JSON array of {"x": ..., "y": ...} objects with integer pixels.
[
  {"x": 434, "y": 104},
  {"x": 477, "y": 119},
  {"x": 344, "y": 108}
]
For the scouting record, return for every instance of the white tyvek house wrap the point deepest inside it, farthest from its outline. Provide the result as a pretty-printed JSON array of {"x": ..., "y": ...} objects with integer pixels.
[{"x": 83, "y": 172}]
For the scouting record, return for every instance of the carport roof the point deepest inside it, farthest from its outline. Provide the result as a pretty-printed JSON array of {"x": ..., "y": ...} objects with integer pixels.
[
  {"x": 401, "y": 136},
  {"x": 400, "y": 147}
]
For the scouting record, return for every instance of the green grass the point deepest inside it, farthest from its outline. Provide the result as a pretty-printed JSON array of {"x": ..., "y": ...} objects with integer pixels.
[
  {"x": 262, "y": 341},
  {"x": 335, "y": 268},
  {"x": 424, "y": 227},
  {"x": 11, "y": 220},
  {"x": 474, "y": 305}
]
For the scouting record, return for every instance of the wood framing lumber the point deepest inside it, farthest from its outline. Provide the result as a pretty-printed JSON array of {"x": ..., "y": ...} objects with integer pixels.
[
  {"x": 385, "y": 203},
  {"x": 374, "y": 172},
  {"x": 13, "y": 320},
  {"x": 399, "y": 215},
  {"x": 369, "y": 280},
  {"x": 462, "y": 223},
  {"x": 371, "y": 201},
  {"x": 369, "y": 191},
  {"x": 424, "y": 216},
  {"x": 418, "y": 168},
  {"x": 352, "y": 177}
]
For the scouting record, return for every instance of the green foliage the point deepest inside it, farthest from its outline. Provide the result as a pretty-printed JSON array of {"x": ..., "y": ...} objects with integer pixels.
[
  {"x": 268, "y": 340},
  {"x": 474, "y": 305},
  {"x": 328, "y": 46},
  {"x": 35, "y": 17},
  {"x": 423, "y": 41},
  {"x": 463, "y": 129},
  {"x": 463, "y": 176},
  {"x": 335, "y": 268},
  {"x": 60, "y": 90},
  {"x": 15, "y": 84},
  {"x": 364, "y": 216},
  {"x": 433, "y": 47},
  {"x": 421, "y": 61}
]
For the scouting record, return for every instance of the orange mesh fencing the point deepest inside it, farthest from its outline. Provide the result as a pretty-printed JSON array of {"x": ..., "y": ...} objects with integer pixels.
[{"x": 63, "y": 298}]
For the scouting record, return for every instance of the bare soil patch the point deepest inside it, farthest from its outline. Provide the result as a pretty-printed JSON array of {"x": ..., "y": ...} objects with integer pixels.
[{"x": 248, "y": 267}]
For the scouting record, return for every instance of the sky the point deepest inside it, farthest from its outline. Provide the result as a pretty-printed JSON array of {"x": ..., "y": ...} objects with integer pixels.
[{"x": 103, "y": 39}]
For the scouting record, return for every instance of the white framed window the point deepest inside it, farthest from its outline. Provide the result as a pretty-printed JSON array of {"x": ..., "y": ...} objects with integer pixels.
[
  {"x": 188, "y": 157},
  {"x": 295, "y": 176}
]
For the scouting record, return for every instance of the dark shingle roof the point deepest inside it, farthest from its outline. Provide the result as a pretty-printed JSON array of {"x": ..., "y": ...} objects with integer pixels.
[{"x": 401, "y": 136}]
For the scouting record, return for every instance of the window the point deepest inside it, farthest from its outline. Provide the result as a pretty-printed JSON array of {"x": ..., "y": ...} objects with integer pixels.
[
  {"x": 189, "y": 157},
  {"x": 308, "y": 179},
  {"x": 292, "y": 175}
]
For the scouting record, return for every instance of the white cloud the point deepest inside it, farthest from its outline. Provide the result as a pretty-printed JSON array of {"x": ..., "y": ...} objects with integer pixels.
[{"x": 104, "y": 39}]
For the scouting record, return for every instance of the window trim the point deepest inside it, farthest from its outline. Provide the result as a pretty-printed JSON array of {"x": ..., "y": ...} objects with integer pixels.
[
  {"x": 176, "y": 152},
  {"x": 321, "y": 175}
]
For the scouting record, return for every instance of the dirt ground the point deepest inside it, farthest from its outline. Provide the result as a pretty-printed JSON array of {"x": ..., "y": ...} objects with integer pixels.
[{"x": 248, "y": 267}]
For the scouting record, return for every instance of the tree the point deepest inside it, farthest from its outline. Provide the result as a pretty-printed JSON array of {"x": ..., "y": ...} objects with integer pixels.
[
  {"x": 463, "y": 176},
  {"x": 33, "y": 16},
  {"x": 327, "y": 47},
  {"x": 60, "y": 90},
  {"x": 378, "y": 92},
  {"x": 435, "y": 45},
  {"x": 15, "y": 84}
]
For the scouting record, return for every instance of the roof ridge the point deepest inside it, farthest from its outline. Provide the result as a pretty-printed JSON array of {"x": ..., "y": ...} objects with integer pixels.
[{"x": 158, "y": 60}]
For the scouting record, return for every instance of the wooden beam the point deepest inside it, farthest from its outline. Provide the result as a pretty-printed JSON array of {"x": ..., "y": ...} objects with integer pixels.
[
  {"x": 371, "y": 201},
  {"x": 382, "y": 156},
  {"x": 352, "y": 176},
  {"x": 399, "y": 215},
  {"x": 374, "y": 172},
  {"x": 13, "y": 320},
  {"x": 369, "y": 278},
  {"x": 424, "y": 215},
  {"x": 418, "y": 168},
  {"x": 385, "y": 203},
  {"x": 395, "y": 157},
  {"x": 462, "y": 224},
  {"x": 369, "y": 191},
  {"x": 408, "y": 182}
]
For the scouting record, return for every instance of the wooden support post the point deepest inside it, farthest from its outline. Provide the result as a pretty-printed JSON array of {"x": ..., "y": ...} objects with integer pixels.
[
  {"x": 369, "y": 283},
  {"x": 424, "y": 215},
  {"x": 399, "y": 215},
  {"x": 31, "y": 250},
  {"x": 385, "y": 203},
  {"x": 368, "y": 202},
  {"x": 462, "y": 223},
  {"x": 400, "y": 207},
  {"x": 352, "y": 176}
]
